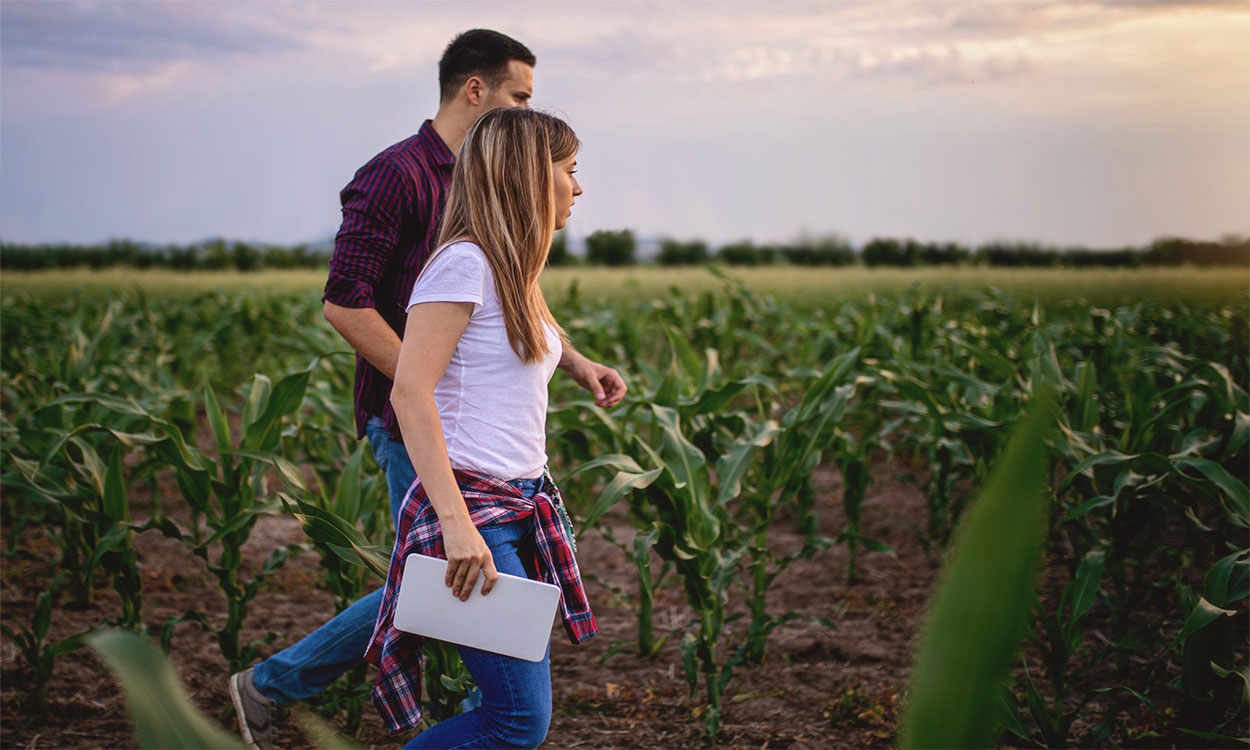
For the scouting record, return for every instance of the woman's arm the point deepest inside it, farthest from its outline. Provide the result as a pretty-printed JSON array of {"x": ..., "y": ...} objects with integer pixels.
[{"x": 430, "y": 338}]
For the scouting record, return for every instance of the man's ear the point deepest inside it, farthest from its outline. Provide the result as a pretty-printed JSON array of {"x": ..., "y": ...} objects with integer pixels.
[{"x": 476, "y": 90}]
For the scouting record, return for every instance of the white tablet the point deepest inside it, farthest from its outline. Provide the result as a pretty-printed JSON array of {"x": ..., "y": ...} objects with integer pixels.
[{"x": 514, "y": 619}]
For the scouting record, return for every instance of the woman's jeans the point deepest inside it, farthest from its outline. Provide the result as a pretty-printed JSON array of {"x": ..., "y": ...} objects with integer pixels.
[
  {"x": 309, "y": 666},
  {"x": 515, "y": 694}
]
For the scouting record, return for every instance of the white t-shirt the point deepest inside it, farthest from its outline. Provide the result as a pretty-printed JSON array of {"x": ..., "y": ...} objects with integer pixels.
[{"x": 493, "y": 406}]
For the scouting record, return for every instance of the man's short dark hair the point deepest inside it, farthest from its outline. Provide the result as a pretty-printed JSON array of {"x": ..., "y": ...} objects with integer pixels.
[{"x": 479, "y": 52}]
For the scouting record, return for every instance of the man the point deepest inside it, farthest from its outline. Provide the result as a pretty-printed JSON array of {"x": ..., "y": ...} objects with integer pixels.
[{"x": 391, "y": 212}]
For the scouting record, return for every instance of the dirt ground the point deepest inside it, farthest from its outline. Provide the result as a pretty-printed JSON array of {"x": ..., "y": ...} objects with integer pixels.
[{"x": 818, "y": 687}]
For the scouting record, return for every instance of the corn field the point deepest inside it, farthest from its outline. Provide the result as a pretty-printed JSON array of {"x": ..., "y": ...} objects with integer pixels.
[{"x": 1083, "y": 470}]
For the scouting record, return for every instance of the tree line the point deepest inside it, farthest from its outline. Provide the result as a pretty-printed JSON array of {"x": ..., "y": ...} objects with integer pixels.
[{"x": 620, "y": 248}]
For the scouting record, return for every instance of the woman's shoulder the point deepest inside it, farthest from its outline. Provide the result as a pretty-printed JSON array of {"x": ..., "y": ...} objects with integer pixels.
[
  {"x": 461, "y": 248},
  {"x": 458, "y": 268}
]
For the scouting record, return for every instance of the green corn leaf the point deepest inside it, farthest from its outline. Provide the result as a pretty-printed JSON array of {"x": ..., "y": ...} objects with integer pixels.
[
  {"x": 1204, "y": 613},
  {"x": 216, "y": 419},
  {"x": 622, "y": 484},
  {"x": 196, "y": 488},
  {"x": 1228, "y": 581},
  {"x": 712, "y": 401},
  {"x": 91, "y": 465},
  {"x": 1085, "y": 585},
  {"x": 1239, "y": 436},
  {"x": 642, "y": 560},
  {"x": 685, "y": 462},
  {"x": 1223, "y": 740},
  {"x": 733, "y": 466},
  {"x": 375, "y": 557},
  {"x": 108, "y": 542},
  {"x": 683, "y": 352},
  {"x": 1094, "y": 503},
  {"x": 689, "y": 653},
  {"x": 618, "y": 461},
  {"x": 837, "y": 371},
  {"x": 162, "y": 714},
  {"x": 997, "y": 363},
  {"x": 1106, "y": 458},
  {"x": 257, "y": 400},
  {"x": 179, "y": 453},
  {"x": 289, "y": 472},
  {"x": 666, "y": 393},
  {"x": 319, "y": 732},
  {"x": 347, "y": 492},
  {"x": 115, "y": 506},
  {"x": 43, "y": 616},
  {"x": 117, "y": 404},
  {"x": 1232, "y": 487},
  {"x": 242, "y": 519},
  {"x": 263, "y": 432},
  {"x": 979, "y": 609},
  {"x": 325, "y": 527}
]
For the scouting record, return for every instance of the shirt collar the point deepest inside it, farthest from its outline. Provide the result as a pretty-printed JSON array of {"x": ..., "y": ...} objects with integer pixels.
[{"x": 438, "y": 149}]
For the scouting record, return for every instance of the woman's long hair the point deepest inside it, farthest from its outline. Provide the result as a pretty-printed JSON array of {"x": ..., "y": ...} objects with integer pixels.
[{"x": 501, "y": 199}]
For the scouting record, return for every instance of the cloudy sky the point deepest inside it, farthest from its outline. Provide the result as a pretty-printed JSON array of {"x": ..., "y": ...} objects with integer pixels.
[{"x": 1095, "y": 123}]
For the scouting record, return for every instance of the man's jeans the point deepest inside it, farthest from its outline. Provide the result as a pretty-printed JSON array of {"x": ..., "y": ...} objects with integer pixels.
[
  {"x": 515, "y": 701},
  {"x": 308, "y": 667}
]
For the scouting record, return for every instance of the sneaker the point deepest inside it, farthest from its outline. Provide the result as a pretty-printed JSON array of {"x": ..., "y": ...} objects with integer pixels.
[{"x": 256, "y": 712}]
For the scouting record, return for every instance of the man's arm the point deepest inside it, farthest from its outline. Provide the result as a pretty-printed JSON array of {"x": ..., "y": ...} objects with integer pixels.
[
  {"x": 602, "y": 381},
  {"x": 368, "y": 334}
]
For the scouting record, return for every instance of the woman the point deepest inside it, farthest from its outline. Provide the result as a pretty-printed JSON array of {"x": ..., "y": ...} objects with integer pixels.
[{"x": 470, "y": 396}]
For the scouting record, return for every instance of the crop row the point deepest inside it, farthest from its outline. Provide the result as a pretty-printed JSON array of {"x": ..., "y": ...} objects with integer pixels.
[{"x": 242, "y": 402}]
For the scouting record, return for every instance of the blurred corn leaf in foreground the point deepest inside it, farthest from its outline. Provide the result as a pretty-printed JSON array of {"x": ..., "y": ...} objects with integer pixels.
[
  {"x": 163, "y": 716},
  {"x": 978, "y": 612},
  {"x": 159, "y": 708}
]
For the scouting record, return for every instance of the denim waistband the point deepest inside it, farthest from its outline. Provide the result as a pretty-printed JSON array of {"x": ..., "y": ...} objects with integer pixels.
[{"x": 528, "y": 486}]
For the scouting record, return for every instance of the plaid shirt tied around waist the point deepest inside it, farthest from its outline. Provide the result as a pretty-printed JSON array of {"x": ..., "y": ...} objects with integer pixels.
[{"x": 490, "y": 500}]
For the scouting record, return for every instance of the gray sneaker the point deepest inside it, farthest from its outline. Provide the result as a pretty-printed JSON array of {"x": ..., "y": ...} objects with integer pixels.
[{"x": 256, "y": 712}]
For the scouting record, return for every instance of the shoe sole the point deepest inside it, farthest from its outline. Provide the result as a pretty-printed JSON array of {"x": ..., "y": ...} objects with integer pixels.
[{"x": 237, "y": 699}]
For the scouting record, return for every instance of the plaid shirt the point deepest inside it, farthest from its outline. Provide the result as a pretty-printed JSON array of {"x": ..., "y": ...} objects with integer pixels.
[
  {"x": 490, "y": 500},
  {"x": 391, "y": 212}
]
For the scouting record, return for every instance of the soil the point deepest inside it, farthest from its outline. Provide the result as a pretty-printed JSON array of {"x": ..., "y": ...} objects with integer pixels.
[{"x": 817, "y": 687}]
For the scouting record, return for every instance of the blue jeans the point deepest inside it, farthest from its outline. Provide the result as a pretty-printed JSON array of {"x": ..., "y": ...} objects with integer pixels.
[
  {"x": 515, "y": 707},
  {"x": 309, "y": 666}
]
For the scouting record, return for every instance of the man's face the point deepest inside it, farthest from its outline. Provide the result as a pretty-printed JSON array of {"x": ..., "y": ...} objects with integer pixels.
[{"x": 515, "y": 91}]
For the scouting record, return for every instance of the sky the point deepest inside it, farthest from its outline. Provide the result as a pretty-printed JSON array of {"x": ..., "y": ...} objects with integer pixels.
[{"x": 1101, "y": 124}]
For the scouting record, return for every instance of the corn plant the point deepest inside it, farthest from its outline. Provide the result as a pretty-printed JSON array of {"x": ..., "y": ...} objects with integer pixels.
[
  {"x": 447, "y": 681},
  {"x": 979, "y": 609},
  {"x": 32, "y": 644},
  {"x": 1215, "y": 688}
]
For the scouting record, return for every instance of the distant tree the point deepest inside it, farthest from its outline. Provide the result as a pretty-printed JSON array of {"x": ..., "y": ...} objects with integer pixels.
[
  {"x": 676, "y": 253},
  {"x": 1173, "y": 251},
  {"x": 948, "y": 253},
  {"x": 882, "y": 251},
  {"x": 826, "y": 251},
  {"x": 610, "y": 248},
  {"x": 213, "y": 255},
  {"x": 1017, "y": 254},
  {"x": 245, "y": 257},
  {"x": 747, "y": 253}
]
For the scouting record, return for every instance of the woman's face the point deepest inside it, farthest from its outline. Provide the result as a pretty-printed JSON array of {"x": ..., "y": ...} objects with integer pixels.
[{"x": 564, "y": 188}]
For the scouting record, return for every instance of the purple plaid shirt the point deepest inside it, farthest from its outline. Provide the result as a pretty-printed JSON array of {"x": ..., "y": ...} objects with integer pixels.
[
  {"x": 397, "y": 654},
  {"x": 391, "y": 212}
]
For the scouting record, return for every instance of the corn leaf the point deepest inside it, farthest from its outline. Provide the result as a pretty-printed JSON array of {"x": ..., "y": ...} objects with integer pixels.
[{"x": 978, "y": 612}]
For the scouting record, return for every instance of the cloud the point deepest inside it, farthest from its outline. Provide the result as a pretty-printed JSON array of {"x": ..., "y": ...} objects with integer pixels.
[{"x": 128, "y": 38}]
